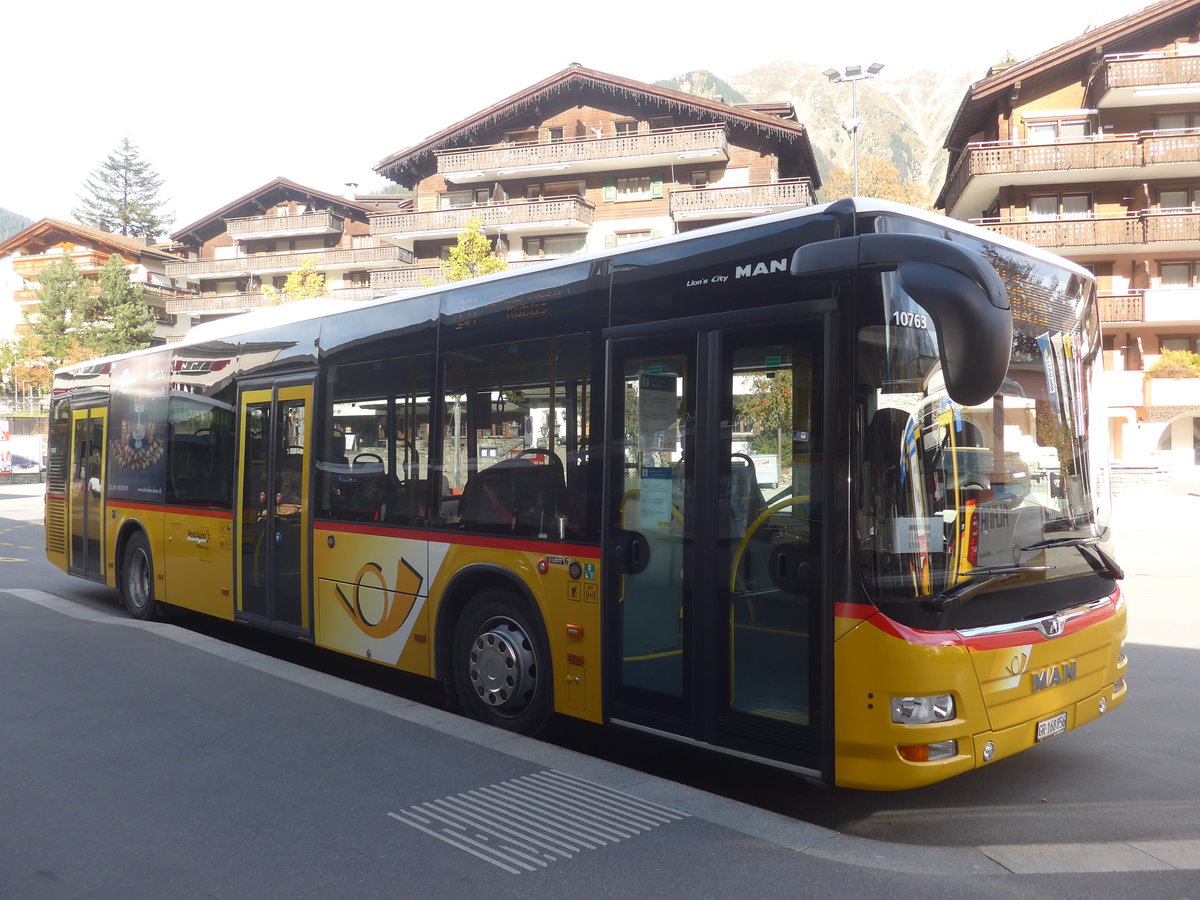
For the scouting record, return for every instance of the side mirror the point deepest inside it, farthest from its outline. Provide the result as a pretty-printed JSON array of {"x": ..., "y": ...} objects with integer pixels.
[{"x": 962, "y": 293}]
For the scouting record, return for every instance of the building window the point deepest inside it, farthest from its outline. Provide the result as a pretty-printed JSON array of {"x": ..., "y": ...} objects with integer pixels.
[
  {"x": 1060, "y": 206},
  {"x": 555, "y": 135},
  {"x": 559, "y": 245},
  {"x": 636, "y": 187},
  {"x": 625, "y": 128},
  {"x": 1177, "y": 198},
  {"x": 1188, "y": 342},
  {"x": 1176, "y": 274},
  {"x": 1176, "y": 121},
  {"x": 631, "y": 237},
  {"x": 460, "y": 199},
  {"x": 1049, "y": 132}
]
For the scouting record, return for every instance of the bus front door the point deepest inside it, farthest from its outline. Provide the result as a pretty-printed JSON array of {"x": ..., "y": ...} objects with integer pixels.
[
  {"x": 273, "y": 559},
  {"x": 86, "y": 493},
  {"x": 714, "y": 593}
]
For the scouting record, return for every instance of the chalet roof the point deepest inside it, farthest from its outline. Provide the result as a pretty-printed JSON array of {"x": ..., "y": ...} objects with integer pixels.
[
  {"x": 47, "y": 232},
  {"x": 768, "y": 119},
  {"x": 259, "y": 200},
  {"x": 1120, "y": 35}
]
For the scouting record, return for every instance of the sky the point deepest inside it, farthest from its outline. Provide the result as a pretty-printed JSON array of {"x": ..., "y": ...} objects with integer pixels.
[{"x": 222, "y": 97}]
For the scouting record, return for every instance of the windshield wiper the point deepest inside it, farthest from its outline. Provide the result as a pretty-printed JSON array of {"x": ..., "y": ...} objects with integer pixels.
[
  {"x": 1104, "y": 565},
  {"x": 977, "y": 579}
]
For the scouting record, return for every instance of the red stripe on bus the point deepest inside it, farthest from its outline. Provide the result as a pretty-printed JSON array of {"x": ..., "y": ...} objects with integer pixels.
[
  {"x": 464, "y": 539},
  {"x": 182, "y": 510}
]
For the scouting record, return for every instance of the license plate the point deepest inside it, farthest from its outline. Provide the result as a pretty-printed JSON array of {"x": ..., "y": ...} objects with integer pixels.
[{"x": 1051, "y": 727}]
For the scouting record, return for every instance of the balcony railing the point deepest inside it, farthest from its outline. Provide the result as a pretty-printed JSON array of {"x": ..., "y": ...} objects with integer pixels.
[
  {"x": 305, "y": 223},
  {"x": 1074, "y": 232},
  {"x": 1140, "y": 70},
  {"x": 695, "y": 139},
  {"x": 31, "y": 266},
  {"x": 703, "y": 201},
  {"x": 418, "y": 276},
  {"x": 521, "y": 212},
  {"x": 252, "y": 300},
  {"x": 282, "y": 262},
  {"x": 1091, "y": 154},
  {"x": 1121, "y": 308},
  {"x": 1147, "y": 226}
]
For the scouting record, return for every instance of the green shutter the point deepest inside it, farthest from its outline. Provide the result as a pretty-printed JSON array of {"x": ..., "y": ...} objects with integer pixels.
[
  {"x": 610, "y": 241},
  {"x": 610, "y": 190},
  {"x": 656, "y": 185}
]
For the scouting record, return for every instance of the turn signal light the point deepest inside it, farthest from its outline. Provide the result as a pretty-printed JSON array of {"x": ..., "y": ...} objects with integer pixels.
[{"x": 928, "y": 752}]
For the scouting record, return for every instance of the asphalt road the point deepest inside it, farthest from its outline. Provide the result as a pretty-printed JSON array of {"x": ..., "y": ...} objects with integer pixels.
[{"x": 1127, "y": 780}]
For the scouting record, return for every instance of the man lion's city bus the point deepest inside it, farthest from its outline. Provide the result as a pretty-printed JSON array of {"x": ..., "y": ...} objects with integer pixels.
[{"x": 826, "y": 489}]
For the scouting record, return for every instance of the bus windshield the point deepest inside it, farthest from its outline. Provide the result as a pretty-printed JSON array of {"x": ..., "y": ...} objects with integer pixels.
[{"x": 957, "y": 501}]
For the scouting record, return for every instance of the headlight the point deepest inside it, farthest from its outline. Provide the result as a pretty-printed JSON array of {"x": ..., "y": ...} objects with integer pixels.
[{"x": 922, "y": 710}]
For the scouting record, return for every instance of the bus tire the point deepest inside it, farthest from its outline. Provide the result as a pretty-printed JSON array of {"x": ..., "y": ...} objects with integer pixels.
[
  {"x": 137, "y": 577},
  {"x": 501, "y": 663}
]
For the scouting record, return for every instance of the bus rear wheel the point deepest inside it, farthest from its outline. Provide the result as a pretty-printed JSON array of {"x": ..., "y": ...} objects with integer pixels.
[
  {"x": 137, "y": 578},
  {"x": 502, "y": 664}
]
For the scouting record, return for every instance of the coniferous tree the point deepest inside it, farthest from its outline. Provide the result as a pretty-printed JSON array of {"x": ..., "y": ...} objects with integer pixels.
[
  {"x": 124, "y": 321},
  {"x": 64, "y": 301},
  {"x": 122, "y": 196}
]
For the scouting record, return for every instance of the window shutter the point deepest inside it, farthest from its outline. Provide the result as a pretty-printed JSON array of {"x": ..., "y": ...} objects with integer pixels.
[
  {"x": 656, "y": 233},
  {"x": 610, "y": 241},
  {"x": 610, "y": 190},
  {"x": 656, "y": 186}
]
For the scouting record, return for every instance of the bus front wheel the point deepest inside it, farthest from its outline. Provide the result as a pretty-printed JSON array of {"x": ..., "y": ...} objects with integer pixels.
[
  {"x": 137, "y": 578},
  {"x": 502, "y": 664}
]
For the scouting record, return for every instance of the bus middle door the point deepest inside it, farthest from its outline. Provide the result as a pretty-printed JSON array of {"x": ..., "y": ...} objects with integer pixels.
[{"x": 274, "y": 520}]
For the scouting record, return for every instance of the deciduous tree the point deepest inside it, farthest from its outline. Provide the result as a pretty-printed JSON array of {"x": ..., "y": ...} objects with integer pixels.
[
  {"x": 472, "y": 255},
  {"x": 304, "y": 283},
  {"x": 876, "y": 178}
]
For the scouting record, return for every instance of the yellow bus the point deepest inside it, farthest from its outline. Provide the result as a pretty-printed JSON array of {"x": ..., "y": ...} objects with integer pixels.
[{"x": 546, "y": 489}]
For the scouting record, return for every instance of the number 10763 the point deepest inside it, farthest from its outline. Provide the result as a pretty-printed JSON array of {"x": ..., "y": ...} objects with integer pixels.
[{"x": 908, "y": 319}]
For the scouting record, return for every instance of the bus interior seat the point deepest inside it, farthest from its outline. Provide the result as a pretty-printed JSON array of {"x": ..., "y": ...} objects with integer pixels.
[{"x": 515, "y": 495}]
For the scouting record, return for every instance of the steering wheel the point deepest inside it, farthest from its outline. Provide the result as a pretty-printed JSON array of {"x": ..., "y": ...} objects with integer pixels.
[{"x": 367, "y": 456}]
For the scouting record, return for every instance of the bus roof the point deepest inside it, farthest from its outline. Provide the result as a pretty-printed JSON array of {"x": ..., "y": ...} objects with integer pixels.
[{"x": 260, "y": 320}]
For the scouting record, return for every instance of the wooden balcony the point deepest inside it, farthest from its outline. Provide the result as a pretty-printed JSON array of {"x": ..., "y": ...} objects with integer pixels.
[
  {"x": 1144, "y": 79},
  {"x": 426, "y": 276},
  {"x": 32, "y": 266},
  {"x": 243, "y": 301},
  {"x": 564, "y": 213},
  {"x": 983, "y": 167},
  {"x": 1121, "y": 308},
  {"x": 745, "y": 200},
  {"x": 697, "y": 143},
  {"x": 285, "y": 226},
  {"x": 289, "y": 262},
  {"x": 1056, "y": 234},
  {"x": 1105, "y": 234}
]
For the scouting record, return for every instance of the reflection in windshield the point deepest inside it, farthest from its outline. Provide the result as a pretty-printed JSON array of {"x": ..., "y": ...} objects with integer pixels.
[{"x": 948, "y": 490}]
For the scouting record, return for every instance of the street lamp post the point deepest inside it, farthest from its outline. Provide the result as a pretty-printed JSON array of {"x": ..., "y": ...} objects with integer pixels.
[{"x": 853, "y": 74}]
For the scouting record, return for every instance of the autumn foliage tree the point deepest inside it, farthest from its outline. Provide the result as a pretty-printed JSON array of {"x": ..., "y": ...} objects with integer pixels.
[
  {"x": 877, "y": 178},
  {"x": 303, "y": 284},
  {"x": 472, "y": 255}
]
